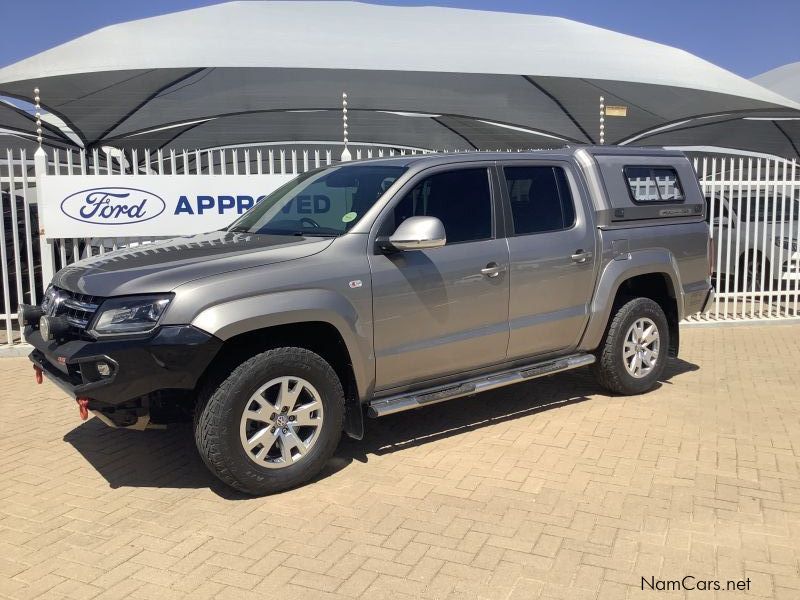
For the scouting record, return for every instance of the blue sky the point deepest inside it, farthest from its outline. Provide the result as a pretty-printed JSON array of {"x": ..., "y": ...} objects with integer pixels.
[{"x": 744, "y": 37}]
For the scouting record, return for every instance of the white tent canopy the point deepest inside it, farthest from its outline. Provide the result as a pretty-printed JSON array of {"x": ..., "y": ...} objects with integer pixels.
[
  {"x": 784, "y": 80},
  {"x": 416, "y": 76}
]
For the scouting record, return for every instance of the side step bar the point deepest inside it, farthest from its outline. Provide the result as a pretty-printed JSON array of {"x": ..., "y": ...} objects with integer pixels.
[{"x": 394, "y": 404}]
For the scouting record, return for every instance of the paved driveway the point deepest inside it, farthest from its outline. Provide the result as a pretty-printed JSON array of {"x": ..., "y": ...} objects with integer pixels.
[{"x": 546, "y": 490}]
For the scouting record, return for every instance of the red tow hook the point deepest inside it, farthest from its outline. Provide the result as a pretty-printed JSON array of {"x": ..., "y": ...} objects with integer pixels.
[
  {"x": 38, "y": 370},
  {"x": 83, "y": 408}
]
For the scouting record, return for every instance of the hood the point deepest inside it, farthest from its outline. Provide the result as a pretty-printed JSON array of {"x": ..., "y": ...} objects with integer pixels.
[{"x": 162, "y": 266}]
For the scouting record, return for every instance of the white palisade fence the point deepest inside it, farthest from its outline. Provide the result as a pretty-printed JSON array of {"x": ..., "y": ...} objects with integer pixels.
[
  {"x": 753, "y": 212},
  {"x": 28, "y": 260},
  {"x": 20, "y": 254},
  {"x": 198, "y": 162}
]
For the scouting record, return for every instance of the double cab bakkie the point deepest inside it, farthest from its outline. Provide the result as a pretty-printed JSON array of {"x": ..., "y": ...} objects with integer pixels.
[{"x": 369, "y": 288}]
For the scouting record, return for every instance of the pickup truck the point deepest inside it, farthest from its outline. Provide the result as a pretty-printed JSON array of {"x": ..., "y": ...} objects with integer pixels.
[{"x": 369, "y": 288}]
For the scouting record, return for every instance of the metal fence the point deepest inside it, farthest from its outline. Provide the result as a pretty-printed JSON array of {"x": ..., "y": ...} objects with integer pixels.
[
  {"x": 28, "y": 260},
  {"x": 753, "y": 211},
  {"x": 210, "y": 162},
  {"x": 228, "y": 161},
  {"x": 20, "y": 252}
]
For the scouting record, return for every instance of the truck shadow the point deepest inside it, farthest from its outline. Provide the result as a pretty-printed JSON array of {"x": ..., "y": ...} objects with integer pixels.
[
  {"x": 169, "y": 459},
  {"x": 439, "y": 421}
]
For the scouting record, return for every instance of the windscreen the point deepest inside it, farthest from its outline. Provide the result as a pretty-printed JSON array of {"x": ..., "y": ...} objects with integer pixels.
[{"x": 324, "y": 202}]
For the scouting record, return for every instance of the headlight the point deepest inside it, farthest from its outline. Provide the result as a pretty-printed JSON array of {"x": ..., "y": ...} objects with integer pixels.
[
  {"x": 47, "y": 299},
  {"x": 136, "y": 314},
  {"x": 789, "y": 244}
]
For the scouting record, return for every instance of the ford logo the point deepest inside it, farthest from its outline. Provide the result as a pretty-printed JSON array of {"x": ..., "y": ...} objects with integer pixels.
[{"x": 112, "y": 206}]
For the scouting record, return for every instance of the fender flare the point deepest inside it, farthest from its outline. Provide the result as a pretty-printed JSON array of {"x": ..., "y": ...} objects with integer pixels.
[
  {"x": 615, "y": 273},
  {"x": 243, "y": 315}
]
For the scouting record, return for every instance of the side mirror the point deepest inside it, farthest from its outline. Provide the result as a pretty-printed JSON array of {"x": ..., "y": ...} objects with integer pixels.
[{"x": 418, "y": 233}]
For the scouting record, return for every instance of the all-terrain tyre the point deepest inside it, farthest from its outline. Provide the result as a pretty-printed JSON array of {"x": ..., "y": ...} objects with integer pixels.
[
  {"x": 273, "y": 423},
  {"x": 632, "y": 356}
]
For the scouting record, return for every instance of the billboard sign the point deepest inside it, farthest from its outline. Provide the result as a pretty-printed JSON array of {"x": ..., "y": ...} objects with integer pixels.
[{"x": 148, "y": 205}]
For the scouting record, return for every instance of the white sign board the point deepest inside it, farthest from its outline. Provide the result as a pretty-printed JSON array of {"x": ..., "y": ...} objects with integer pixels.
[{"x": 148, "y": 205}]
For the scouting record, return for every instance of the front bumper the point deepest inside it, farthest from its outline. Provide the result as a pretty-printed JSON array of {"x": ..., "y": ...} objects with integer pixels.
[{"x": 173, "y": 358}]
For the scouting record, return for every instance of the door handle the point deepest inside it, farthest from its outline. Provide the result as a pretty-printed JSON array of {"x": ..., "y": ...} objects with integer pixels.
[
  {"x": 581, "y": 256},
  {"x": 492, "y": 270}
]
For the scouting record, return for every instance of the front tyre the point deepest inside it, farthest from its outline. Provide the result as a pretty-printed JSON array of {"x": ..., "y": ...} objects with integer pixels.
[
  {"x": 273, "y": 423},
  {"x": 632, "y": 356}
]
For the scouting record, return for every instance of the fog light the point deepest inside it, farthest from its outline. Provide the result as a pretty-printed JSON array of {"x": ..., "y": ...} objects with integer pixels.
[
  {"x": 28, "y": 315},
  {"x": 52, "y": 328},
  {"x": 104, "y": 369},
  {"x": 44, "y": 328}
]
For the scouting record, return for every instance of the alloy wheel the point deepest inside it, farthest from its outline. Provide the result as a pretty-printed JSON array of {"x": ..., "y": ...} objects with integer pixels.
[
  {"x": 640, "y": 350},
  {"x": 281, "y": 422}
]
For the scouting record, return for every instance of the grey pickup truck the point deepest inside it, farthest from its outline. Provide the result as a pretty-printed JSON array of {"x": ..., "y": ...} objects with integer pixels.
[{"x": 381, "y": 286}]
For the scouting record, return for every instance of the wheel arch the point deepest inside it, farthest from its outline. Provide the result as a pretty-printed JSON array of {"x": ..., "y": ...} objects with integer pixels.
[
  {"x": 318, "y": 320},
  {"x": 650, "y": 274}
]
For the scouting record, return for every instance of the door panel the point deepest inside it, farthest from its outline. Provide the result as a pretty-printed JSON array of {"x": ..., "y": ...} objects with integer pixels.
[
  {"x": 436, "y": 314},
  {"x": 553, "y": 261},
  {"x": 442, "y": 311}
]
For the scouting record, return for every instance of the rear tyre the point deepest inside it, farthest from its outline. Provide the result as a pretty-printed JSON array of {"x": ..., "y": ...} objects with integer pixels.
[
  {"x": 273, "y": 423},
  {"x": 632, "y": 355}
]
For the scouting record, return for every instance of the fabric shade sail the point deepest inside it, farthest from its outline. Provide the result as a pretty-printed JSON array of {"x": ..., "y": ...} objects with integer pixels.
[
  {"x": 424, "y": 77},
  {"x": 784, "y": 80}
]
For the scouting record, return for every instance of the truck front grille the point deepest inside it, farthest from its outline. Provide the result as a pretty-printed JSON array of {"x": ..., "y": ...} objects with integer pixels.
[{"x": 77, "y": 309}]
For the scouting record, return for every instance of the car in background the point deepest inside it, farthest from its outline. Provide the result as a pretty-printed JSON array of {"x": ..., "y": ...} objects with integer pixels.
[
  {"x": 20, "y": 268},
  {"x": 756, "y": 239}
]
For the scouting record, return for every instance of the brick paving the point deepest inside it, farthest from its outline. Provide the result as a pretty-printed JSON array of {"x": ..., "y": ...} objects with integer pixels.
[{"x": 550, "y": 489}]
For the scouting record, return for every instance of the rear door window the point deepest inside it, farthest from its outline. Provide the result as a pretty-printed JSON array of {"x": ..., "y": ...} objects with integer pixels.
[
  {"x": 653, "y": 184},
  {"x": 540, "y": 199},
  {"x": 776, "y": 209},
  {"x": 762, "y": 207}
]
